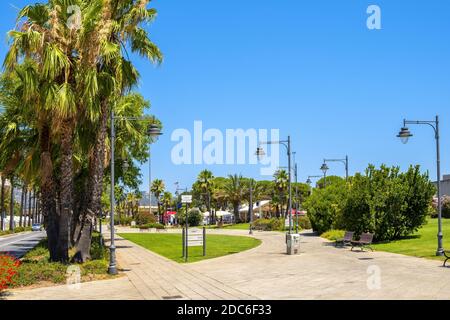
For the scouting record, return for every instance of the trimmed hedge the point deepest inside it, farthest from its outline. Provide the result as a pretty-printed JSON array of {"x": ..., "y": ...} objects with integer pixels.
[{"x": 273, "y": 224}]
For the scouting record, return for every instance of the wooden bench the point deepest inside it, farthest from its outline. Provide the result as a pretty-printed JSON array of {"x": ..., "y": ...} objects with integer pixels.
[
  {"x": 365, "y": 241},
  {"x": 347, "y": 240},
  {"x": 447, "y": 257}
]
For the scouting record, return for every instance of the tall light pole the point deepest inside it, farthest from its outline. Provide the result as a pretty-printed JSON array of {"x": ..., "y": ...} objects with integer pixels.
[
  {"x": 344, "y": 161},
  {"x": 152, "y": 131},
  {"x": 250, "y": 206},
  {"x": 287, "y": 143},
  {"x": 404, "y": 135},
  {"x": 324, "y": 169},
  {"x": 309, "y": 182}
]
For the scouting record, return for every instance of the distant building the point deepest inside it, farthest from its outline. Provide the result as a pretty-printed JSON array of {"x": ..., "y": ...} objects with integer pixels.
[{"x": 445, "y": 185}]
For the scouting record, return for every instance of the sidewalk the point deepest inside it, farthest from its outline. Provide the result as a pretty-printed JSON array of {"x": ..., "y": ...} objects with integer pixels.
[{"x": 148, "y": 276}]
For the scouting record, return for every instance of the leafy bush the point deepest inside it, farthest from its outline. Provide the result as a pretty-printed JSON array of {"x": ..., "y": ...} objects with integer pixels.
[
  {"x": 8, "y": 270},
  {"x": 382, "y": 201},
  {"x": 158, "y": 226},
  {"x": 145, "y": 218},
  {"x": 333, "y": 235},
  {"x": 388, "y": 203},
  {"x": 273, "y": 224},
  {"x": 304, "y": 223},
  {"x": 195, "y": 217},
  {"x": 123, "y": 221},
  {"x": 325, "y": 206},
  {"x": 445, "y": 207}
]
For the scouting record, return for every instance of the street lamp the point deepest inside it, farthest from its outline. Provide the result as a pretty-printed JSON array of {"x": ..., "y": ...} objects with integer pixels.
[
  {"x": 309, "y": 181},
  {"x": 250, "y": 206},
  {"x": 297, "y": 203},
  {"x": 112, "y": 269},
  {"x": 324, "y": 168},
  {"x": 344, "y": 161},
  {"x": 405, "y": 135},
  {"x": 154, "y": 132},
  {"x": 261, "y": 153}
]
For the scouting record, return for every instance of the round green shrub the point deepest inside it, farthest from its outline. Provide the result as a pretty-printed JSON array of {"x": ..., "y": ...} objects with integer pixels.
[
  {"x": 195, "y": 217},
  {"x": 145, "y": 218}
]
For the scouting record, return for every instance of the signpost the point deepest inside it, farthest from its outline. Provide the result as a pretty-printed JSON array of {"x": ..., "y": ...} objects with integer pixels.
[{"x": 194, "y": 237}]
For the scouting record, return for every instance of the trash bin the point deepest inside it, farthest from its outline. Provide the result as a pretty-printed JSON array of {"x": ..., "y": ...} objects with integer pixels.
[{"x": 293, "y": 244}]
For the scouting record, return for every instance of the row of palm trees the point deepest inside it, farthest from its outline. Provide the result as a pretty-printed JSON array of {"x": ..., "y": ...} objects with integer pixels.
[
  {"x": 61, "y": 81},
  {"x": 234, "y": 191},
  {"x": 28, "y": 210}
]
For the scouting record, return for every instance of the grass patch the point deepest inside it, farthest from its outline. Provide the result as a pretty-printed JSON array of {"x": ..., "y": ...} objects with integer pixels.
[
  {"x": 170, "y": 245},
  {"x": 36, "y": 268},
  {"x": 422, "y": 244}
]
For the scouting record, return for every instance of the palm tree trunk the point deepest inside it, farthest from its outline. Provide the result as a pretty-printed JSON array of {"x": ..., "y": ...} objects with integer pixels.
[
  {"x": 236, "y": 213},
  {"x": 29, "y": 209},
  {"x": 34, "y": 215},
  {"x": 48, "y": 192},
  {"x": 11, "y": 207},
  {"x": 21, "y": 207},
  {"x": 96, "y": 173},
  {"x": 66, "y": 190},
  {"x": 2, "y": 203}
]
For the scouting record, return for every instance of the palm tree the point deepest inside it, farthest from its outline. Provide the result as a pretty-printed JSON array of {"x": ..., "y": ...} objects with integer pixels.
[
  {"x": 282, "y": 183},
  {"x": 77, "y": 75},
  {"x": 157, "y": 189},
  {"x": 166, "y": 200},
  {"x": 234, "y": 190},
  {"x": 205, "y": 182}
]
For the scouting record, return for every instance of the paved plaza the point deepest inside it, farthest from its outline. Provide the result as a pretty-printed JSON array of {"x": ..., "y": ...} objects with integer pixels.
[{"x": 321, "y": 271}]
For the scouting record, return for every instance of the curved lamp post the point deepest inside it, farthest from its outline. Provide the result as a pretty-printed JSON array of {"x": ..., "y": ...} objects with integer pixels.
[
  {"x": 344, "y": 161},
  {"x": 324, "y": 168},
  {"x": 152, "y": 132},
  {"x": 309, "y": 181},
  {"x": 261, "y": 153},
  {"x": 405, "y": 135}
]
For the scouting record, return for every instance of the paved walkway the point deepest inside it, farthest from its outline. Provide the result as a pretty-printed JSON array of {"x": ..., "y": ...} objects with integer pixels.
[{"x": 321, "y": 271}]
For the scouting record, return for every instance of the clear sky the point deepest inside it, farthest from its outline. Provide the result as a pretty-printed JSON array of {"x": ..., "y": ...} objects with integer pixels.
[{"x": 309, "y": 68}]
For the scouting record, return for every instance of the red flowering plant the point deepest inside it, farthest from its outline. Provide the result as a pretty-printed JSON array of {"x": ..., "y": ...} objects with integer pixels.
[{"x": 9, "y": 267}]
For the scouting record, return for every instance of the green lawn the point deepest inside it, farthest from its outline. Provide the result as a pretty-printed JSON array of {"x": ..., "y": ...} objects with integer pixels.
[
  {"x": 170, "y": 245},
  {"x": 422, "y": 244}
]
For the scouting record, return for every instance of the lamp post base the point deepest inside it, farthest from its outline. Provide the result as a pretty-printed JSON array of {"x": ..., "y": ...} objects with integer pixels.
[{"x": 112, "y": 270}]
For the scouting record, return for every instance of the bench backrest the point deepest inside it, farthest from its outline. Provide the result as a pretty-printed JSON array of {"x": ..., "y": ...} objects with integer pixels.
[
  {"x": 366, "y": 237},
  {"x": 349, "y": 236}
]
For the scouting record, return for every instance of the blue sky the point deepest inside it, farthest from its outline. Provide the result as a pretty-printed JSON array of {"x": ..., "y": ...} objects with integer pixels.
[{"x": 310, "y": 68}]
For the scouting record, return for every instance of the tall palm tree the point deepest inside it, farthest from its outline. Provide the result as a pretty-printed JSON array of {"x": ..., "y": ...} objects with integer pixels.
[
  {"x": 157, "y": 189},
  {"x": 83, "y": 72},
  {"x": 205, "y": 181},
  {"x": 282, "y": 183},
  {"x": 234, "y": 190}
]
